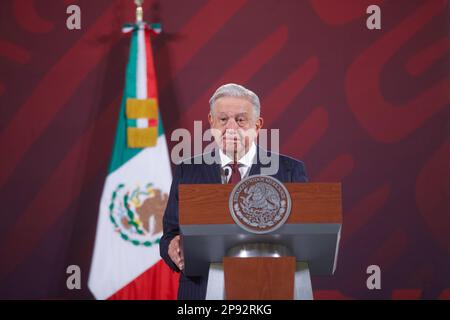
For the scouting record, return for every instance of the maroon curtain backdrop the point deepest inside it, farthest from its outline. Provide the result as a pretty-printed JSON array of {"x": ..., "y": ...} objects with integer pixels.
[{"x": 369, "y": 108}]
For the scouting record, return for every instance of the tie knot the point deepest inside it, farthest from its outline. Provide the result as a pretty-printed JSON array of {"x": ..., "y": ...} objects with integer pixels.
[{"x": 235, "y": 165}]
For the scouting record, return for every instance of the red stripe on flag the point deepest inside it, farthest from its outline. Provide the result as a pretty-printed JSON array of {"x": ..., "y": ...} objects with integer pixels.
[
  {"x": 151, "y": 76},
  {"x": 152, "y": 123},
  {"x": 157, "y": 283}
]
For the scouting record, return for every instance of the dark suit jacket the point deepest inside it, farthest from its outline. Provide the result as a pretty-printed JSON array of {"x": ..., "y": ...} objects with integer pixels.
[{"x": 290, "y": 170}]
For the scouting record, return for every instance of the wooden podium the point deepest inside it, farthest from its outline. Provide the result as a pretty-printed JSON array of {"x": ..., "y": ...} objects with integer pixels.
[{"x": 309, "y": 240}]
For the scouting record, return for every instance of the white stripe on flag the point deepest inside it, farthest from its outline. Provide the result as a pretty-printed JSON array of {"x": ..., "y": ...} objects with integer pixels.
[
  {"x": 142, "y": 123},
  {"x": 141, "y": 72}
]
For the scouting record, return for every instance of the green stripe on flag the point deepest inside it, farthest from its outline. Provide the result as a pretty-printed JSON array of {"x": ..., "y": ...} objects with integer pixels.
[
  {"x": 132, "y": 123},
  {"x": 121, "y": 153},
  {"x": 160, "y": 125}
]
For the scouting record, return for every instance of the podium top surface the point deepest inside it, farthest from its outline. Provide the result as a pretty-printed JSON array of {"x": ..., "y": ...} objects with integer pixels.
[{"x": 311, "y": 203}]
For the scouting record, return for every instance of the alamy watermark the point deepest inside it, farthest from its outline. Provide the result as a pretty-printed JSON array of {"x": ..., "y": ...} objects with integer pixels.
[
  {"x": 73, "y": 281},
  {"x": 373, "y": 282},
  {"x": 373, "y": 21},
  {"x": 73, "y": 21}
]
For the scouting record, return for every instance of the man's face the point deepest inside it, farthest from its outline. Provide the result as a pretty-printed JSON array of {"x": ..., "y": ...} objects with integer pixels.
[{"x": 234, "y": 125}]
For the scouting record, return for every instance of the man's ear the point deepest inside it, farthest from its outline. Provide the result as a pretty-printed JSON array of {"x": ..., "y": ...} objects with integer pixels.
[
  {"x": 210, "y": 119},
  {"x": 259, "y": 123}
]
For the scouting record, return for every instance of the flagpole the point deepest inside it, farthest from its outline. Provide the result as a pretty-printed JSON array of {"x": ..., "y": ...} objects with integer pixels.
[{"x": 139, "y": 11}]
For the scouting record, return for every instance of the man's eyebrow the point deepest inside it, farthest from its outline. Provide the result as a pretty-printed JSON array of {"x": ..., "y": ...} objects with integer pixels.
[{"x": 235, "y": 115}]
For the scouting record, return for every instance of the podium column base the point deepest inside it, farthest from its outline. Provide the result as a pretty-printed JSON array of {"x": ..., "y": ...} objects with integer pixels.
[{"x": 216, "y": 282}]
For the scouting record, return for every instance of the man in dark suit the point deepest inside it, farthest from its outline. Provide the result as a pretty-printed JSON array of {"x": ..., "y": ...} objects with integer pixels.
[{"x": 235, "y": 123}]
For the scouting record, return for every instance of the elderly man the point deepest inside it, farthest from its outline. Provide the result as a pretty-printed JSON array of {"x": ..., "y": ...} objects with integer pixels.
[{"x": 235, "y": 121}]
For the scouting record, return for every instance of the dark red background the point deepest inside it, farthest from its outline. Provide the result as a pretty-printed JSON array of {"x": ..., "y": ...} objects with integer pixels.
[{"x": 369, "y": 108}]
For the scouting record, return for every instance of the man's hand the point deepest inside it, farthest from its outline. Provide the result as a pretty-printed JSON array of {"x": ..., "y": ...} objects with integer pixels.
[{"x": 175, "y": 252}]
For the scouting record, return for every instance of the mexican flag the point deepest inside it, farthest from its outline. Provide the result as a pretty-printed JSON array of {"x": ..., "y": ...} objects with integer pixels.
[{"x": 126, "y": 263}]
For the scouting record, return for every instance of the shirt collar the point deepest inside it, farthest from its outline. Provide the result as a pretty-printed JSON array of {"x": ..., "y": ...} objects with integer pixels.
[{"x": 246, "y": 160}]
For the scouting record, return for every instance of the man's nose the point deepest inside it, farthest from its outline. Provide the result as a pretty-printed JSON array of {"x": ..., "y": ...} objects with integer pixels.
[{"x": 231, "y": 124}]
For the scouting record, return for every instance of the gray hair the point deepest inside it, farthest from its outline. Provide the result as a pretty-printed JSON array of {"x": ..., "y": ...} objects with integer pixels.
[{"x": 238, "y": 91}]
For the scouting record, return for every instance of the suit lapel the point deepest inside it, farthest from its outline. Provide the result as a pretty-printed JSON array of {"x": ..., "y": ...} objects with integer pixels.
[
  {"x": 213, "y": 171},
  {"x": 256, "y": 167}
]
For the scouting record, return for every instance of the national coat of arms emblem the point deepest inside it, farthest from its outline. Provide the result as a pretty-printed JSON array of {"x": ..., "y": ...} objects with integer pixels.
[
  {"x": 137, "y": 214},
  {"x": 260, "y": 204}
]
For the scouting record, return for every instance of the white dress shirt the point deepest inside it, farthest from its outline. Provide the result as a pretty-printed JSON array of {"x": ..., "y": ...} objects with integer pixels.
[{"x": 245, "y": 163}]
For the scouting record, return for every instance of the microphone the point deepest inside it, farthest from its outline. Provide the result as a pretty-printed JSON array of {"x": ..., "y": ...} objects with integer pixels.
[{"x": 227, "y": 172}]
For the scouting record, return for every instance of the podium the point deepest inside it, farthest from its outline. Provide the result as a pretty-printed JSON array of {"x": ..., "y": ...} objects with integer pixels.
[{"x": 245, "y": 265}]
